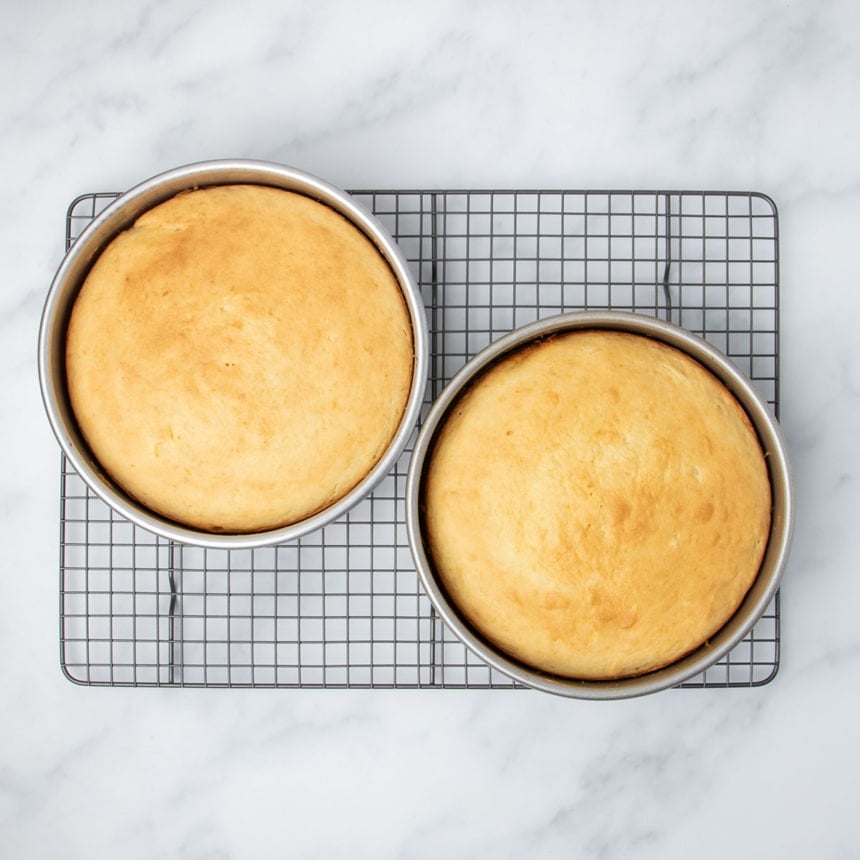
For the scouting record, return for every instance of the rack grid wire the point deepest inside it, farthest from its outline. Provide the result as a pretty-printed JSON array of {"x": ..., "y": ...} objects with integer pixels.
[{"x": 343, "y": 607}]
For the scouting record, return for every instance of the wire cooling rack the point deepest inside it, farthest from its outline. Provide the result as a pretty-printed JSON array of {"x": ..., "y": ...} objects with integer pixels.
[{"x": 343, "y": 607}]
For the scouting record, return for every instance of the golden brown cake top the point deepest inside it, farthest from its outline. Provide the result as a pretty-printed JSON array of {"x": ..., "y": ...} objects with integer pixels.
[
  {"x": 597, "y": 504},
  {"x": 240, "y": 358}
]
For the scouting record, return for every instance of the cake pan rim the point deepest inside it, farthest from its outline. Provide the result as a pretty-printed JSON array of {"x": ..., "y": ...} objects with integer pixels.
[
  {"x": 773, "y": 565},
  {"x": 118, "y": 216}
]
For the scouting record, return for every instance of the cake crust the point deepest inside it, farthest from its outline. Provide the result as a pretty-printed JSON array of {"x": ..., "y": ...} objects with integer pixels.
[
  {"x": 596, "y": 504},
  {"x": 240, "y": 358}
]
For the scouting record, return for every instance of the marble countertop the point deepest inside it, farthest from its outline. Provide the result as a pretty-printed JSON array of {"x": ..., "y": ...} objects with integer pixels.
[{"x": 750, "y": 96}]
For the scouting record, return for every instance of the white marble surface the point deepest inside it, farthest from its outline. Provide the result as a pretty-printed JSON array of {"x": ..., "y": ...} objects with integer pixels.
[{"x": 746, "y": 95}]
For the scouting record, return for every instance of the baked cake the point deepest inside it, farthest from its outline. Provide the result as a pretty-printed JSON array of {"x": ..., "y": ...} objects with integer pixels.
[
  {"x": 240, "y": 358},
  {"x": 596, "y": 504}
]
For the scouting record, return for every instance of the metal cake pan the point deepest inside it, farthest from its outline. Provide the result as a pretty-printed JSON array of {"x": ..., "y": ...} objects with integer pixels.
[
  {"x": 119, "y": 216},
  {"x": 761, "y": 592}
]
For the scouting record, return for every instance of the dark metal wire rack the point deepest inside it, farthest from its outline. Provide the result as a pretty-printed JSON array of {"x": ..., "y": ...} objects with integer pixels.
[{"x": 343, "y": 607}]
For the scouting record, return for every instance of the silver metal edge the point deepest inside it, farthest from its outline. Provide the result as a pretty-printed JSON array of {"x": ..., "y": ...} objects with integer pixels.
[
  {"x": 118, "y": 216},
  {"x": 776, "y": 554}
]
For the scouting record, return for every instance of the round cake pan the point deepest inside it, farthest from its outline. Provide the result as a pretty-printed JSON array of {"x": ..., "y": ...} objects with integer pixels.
[
  {"x": 760, "y": 594},
  {"x": 119, "y": 216}
]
